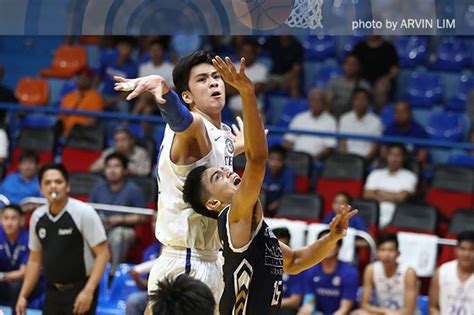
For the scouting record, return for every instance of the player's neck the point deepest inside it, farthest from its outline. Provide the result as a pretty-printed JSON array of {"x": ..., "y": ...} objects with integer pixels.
[
  {"x": 216, "y": 119},
  {"x": 58, "y": 205},
  {"x": 464, "y": 273}
]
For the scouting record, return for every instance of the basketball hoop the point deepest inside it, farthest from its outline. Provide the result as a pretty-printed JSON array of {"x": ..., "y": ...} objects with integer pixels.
[{"x": 306, "y": 14}]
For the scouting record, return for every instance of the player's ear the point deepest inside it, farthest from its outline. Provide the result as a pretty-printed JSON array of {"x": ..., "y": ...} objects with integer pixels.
[
  {"x": 187, "y": 97},
  {"x": 213, "y": 204}
]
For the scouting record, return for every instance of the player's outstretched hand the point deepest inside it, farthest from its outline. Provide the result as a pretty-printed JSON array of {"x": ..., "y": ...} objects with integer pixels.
[
  {"x": 227, "y": 70},
  {"x": 154, "y": 84},
  {"x": 340, "y": 223}
]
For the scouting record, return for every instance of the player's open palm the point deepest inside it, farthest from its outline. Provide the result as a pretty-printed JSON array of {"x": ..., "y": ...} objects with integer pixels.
[
  {"x": 237, "y": 79},
  {"x": 340, "y": 223},
  {"x": 154, "y": 84}
]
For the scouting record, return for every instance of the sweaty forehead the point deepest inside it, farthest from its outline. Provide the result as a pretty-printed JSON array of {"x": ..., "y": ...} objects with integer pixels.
[
  {"x": 53, "y": 175},
  {"x": 202, "y": 68}
]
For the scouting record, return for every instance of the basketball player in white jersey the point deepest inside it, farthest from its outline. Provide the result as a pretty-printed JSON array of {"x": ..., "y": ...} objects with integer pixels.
[
  {"x": 394, "y": 284},
  {"x": 192, "y": 138},
  {"x": 452, "y": 286}
]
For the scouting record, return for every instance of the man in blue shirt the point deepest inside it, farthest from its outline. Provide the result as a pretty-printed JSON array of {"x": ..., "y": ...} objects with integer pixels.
[
  {"x": 116, "y": 63},
  {"x": 117, "y": 189},
  {"x": 13, "y": 254},
  {"x": 24, "y": 182},
  {"x": 405, "y": 126},
  {"x": 279, "y": 179},
  {"x": 343, "y": 198},
  {"x": 333, "y": 285},
  {"x": 293, "y": 285}
]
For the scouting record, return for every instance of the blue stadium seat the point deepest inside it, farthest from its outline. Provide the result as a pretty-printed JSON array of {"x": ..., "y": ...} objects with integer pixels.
[
  {"x": 351, "y": 43},
  {"x": 319, "y": 47},
  {"x": 458, "y": 101},
  {"x": 104, "y": 285},
  {"x": 325, "y": 74},
  {"x": 412, "y": 50},
  {"x": 446, "y": 126},
  {"x": 387, "y": 115},
  {"x": 122, "y": 286},
  {"x": 291, "y": 109},
  {"x": 462, "y": 159},
  {"x": 424, "y": 89},
  {"x": 423, "y": 304},
  {"x": 274, "y": 140},
  {"x": 452, "y": 55}
]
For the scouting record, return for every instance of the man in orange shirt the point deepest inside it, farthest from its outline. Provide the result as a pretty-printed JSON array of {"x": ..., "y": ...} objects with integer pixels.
[{"x": 83, "y": 98}]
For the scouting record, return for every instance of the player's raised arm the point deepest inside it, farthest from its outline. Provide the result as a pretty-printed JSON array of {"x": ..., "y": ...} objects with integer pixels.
[{"x": 255, "y": 143}]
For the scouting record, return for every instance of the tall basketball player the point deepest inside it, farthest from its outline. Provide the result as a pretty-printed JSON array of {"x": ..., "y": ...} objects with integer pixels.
[
  {"x": 192, "y": 138},
  {"x": 254, "y": 260}
]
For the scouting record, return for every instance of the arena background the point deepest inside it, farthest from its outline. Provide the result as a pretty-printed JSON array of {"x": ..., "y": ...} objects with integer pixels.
[{"x": 435, "y": 66}]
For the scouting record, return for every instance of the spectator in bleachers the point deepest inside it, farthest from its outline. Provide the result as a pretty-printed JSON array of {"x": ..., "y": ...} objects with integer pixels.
[
  {"x": 342, "y": 199},
  {"x": 379, "y": 62},
  {"x": 279, "y": 179},
  {"x": 256, "y": 71},
  {"x": 136, "y": 302},
  {"x": 405, "y": 126},
  {"x": 85, "y": 98},
  {"x": 287, "y": 58},
  {"x": 452, "y": 285},
  {"x": 332, "y": 285},
  {"x": 315, "y": 119},
  {"x": 393, "y": 285},
  {"x": 157, "y": 64},
  {"x": 293, "y": 285},
  {"x": 391, "y": 185},
  {"x": 124, "y": 143},
  {"x": 182, "y": 295},
  {"x": 4, "y": 143},
  {"x": 118, "y": 189},
  {"x": 360, "y": 121},
  {"x": 341, "y": 88},
  {"x": 117, "y": 65},
  {"x": 24, "y": 182},
  {"x": 13, "y": 255}
]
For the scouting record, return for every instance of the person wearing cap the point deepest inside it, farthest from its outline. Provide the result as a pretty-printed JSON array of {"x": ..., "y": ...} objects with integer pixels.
[{"x": 83, "y": 98}]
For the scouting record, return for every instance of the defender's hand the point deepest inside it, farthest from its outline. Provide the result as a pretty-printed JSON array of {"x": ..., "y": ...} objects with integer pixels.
[
  {"x": 238, "y": 80},
  {"x": 154, "y": 84}
]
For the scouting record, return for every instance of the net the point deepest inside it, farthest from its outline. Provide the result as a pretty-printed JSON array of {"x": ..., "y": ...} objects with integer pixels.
[{"x": 306, "y": 14}]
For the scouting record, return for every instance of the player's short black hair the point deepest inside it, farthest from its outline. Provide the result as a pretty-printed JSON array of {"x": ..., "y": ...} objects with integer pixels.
[
  {"x": 282, "y": 232},
  {"x": 195, "y": 193},
  {"x": 278, "y": 149},
  {"x": 30, "y": 155},
  {"x": 327, "y": 231},
  {"x": 182, "y": 296},
  {"x": 387, "y": 237},
  {"x": 183, "y": 67},
  {"x": 466, "y": 236},
  {"x": 53, "y": 166},
  {"x": 13, "y": 207}
]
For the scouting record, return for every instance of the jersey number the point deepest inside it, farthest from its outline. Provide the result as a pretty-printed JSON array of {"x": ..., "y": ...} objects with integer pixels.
[{"x": 277, "y": 286}]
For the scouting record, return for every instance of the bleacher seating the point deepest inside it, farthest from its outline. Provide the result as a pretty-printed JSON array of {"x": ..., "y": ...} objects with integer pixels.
[
  {"x": 452, "y": 55},
  {"x": 82, "y": 184},
  {"x": 319, "y": 47},
  {"x": 341, "y": 172},
  {"x": 424, "y": 89},
  {"x": 301, "y": 207},
  {"x": 458, "y": 101},
  {"x": 302, "y": 164},
  {"x": 413, "y": 218},
  {"x": 412, "y": 50},
  {"x": 445, "y": 126},
  {"x": 66, "y": 62},
  {"x": 32, "y": 91},
  {"x": 83, "y": 147},
  {"x": 291, "y": 109},
  {"x": 369, "y": 211}
]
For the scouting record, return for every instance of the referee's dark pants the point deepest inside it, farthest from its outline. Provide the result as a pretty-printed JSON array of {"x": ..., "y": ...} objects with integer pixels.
[{"x": 60, "y": 298}]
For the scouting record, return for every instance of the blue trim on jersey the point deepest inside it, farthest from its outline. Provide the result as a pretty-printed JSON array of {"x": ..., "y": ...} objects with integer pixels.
[{"x": 187, "y": 268}]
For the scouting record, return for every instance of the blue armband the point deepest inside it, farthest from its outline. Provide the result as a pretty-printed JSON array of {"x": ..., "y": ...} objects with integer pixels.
[{"x": 175, "y": 113}]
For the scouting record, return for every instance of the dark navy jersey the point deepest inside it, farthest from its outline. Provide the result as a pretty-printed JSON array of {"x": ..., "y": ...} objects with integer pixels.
[{"x": 252, "y": 273}]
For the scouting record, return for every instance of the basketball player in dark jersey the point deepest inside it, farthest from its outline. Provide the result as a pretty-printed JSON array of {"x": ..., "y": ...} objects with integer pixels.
[{"x": 254, "y": 260}]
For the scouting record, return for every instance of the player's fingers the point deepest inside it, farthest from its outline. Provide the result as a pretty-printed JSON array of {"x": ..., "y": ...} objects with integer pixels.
[
  {"x": 266, "y": 132},
  {"x": 235, "y": 130},
  {"x": 243, "y": 65},
  {"x": 139, "y": 89},
  {"x": 240, "y": 122},
  {"x": 221, "y": 68},
  {"x": 119, "y": 79},
  {"x": 231, "y": 67},
  {"x": 352, "y": 213},
  {"x": 335, "y": 221}
]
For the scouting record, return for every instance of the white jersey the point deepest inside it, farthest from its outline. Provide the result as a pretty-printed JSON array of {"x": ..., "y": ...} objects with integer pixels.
[
  {"x": 389, "y": 292},
  {"x": 177, "y": 225},
  {"x": 455, "y": 297}
]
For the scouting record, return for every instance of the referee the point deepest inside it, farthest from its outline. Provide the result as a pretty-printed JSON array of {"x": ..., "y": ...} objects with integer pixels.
[{"x": 67, "y": 241}]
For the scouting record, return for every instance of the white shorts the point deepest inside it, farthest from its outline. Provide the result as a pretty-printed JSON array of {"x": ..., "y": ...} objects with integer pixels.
[{"x": 202, "y": 265}]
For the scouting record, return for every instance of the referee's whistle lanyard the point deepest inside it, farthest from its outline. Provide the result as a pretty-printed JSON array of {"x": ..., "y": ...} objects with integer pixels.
[{"x": 16, "y": 252}]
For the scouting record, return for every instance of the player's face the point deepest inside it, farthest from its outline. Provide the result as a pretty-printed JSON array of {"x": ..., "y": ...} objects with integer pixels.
[
  {"x": 221, "y": 184},
  {"x": 338, "y": 201},
  {"x": 387, "y": 253},
  {"x": 11, "y": 221},
  {"x": 53, "y": 181},
  {"x": 465, "y": 254},
  {"x": 114, "y": 171},
  {"x": 206, "y": 89}
]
